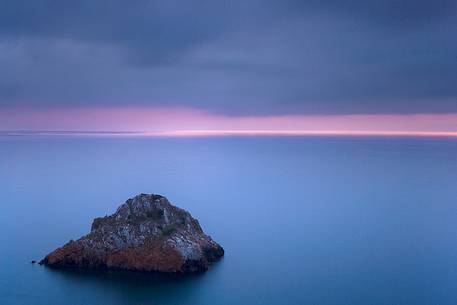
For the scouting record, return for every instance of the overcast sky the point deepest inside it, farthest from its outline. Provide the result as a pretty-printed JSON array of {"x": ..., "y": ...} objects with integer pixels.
[{"x": 244, "y": 57}]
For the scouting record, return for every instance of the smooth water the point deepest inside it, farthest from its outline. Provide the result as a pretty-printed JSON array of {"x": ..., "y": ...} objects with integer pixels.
[{"x": 309, "y": 220}]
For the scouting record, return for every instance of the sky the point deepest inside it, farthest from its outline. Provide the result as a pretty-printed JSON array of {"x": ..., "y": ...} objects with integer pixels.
[{"x": 167, "y": 66}]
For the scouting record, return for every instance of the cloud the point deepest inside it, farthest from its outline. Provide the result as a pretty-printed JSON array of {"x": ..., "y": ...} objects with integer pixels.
[
  {"x": 243, "y": 57},
  {"x": 190, "y": 122}
]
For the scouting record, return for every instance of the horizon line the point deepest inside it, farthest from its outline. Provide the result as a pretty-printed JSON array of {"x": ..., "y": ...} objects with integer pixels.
[{"x": 230, "y": 133}]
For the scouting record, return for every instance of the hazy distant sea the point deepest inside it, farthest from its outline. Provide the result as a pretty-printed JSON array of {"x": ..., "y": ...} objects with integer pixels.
[{"x": 303, "y": 220}]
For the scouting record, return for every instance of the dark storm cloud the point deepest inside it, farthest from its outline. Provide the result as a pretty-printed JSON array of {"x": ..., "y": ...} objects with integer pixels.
[
  {"x": 385, "y": 12},
  {"x": 244, "y": 57},
  {"x": 159, "y": 29}
]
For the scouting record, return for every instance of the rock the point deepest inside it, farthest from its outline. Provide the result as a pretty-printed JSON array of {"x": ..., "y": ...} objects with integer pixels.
[{"x": 146, "y": 233}]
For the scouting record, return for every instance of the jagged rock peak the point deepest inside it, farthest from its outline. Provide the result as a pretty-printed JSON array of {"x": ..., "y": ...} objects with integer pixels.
[{"x": 146, "y": 233}]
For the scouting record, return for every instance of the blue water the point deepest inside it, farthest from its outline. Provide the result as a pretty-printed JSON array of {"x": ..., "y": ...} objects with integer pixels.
[{"x": 310, "y": 220}]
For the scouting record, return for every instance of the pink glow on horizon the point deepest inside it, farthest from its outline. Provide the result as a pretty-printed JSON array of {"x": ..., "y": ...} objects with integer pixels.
[
  {"x": 206, "y": 133},
  {"x": 193, "y": 122}
]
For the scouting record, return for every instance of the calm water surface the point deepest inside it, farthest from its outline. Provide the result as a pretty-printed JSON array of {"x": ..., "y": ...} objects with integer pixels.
[{"x": 354, "y": 221}]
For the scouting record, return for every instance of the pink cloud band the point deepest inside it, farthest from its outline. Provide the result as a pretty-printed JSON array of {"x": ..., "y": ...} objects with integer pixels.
[{"x": 192, "y": 122}]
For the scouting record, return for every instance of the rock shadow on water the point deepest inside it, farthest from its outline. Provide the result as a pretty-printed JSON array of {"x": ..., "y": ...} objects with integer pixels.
[
  {"x": 123, "y": 277},
  {"x": 131, "y": 287}
]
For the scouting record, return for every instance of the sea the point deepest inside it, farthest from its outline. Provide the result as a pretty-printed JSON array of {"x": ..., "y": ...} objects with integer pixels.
[{"x": 303, "y": 220}]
